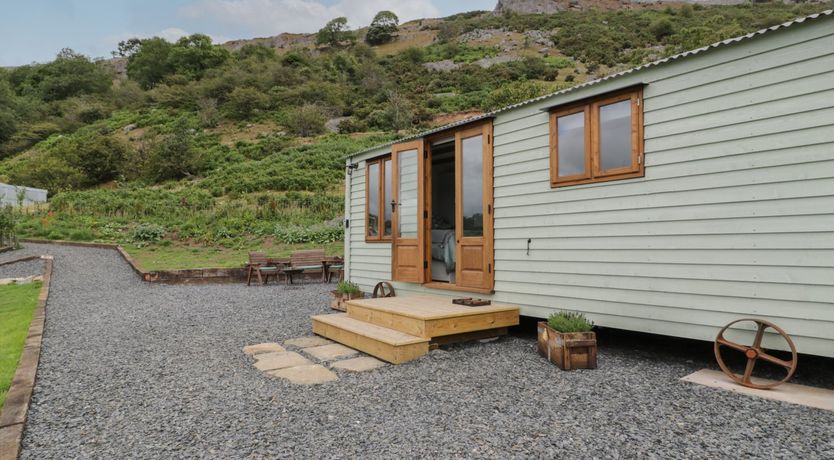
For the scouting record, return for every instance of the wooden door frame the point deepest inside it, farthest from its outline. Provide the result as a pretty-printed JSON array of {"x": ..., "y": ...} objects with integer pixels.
[
  {"x": 396, "y": 149},
  {"x": 484, "y": 127}
]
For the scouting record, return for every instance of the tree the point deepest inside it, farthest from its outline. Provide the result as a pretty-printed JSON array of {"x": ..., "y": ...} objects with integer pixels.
[
  {"x": 70, "y": 74},
  {"x": 382, "y": 28},
  {"x": 194, "y": 54},
  {"x": 100, "y": 157},
  {"x": 127, "y": 48},
  {"x": 8, "y": 124},
  {"x": 149, "y": 64},
  {"x": 174, "y": 157},
  {"x": 334, "y": 33}
]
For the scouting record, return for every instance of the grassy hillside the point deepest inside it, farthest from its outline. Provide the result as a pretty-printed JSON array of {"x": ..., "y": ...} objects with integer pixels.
[{"x": 203, "y": 147}]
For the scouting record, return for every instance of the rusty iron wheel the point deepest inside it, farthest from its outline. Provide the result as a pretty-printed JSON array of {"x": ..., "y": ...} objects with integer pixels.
[
  {"x": 383, "y": 289},
  {"x": 754, "y": 353}
]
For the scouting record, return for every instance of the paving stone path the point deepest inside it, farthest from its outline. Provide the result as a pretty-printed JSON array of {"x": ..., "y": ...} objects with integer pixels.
[
  {"x": 275, "y": 361},
  {"x": 136, "y": 370}
]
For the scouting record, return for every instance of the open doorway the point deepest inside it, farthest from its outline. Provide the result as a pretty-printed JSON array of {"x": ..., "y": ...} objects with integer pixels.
[
  {"x": 443, "y": 235},
  {"x": 442, "y": 210}
]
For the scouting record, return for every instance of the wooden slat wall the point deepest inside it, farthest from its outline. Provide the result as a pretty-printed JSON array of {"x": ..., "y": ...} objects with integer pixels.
[{"x": 735, "y": 216}]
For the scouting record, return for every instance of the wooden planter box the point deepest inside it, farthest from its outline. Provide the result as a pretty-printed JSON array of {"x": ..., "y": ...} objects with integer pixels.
[
  {"x": 339, "y": 301},
  {"x": 572, "y": 350}
]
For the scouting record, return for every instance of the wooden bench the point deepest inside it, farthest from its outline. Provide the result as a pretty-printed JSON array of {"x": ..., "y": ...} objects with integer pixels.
[
  {"x": 310, "y": 260},
  {"x": 260, "y": 265}
]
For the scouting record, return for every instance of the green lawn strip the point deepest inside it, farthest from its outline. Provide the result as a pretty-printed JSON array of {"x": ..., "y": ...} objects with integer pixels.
[
  {"x": 17, "y": 305},
  {"x": 176, "y": 257}
]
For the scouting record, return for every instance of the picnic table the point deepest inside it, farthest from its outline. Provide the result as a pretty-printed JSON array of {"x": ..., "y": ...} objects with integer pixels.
[
  {"x": 330, "y": 265},
  {"x": 295, "y": 265}
]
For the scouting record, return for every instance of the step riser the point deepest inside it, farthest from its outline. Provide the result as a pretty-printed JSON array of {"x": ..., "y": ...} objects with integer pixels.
[
  {"x": 395, "y": 354},
  {"x": 412, "y": 326},
  {"x": 433, "y": 327},
  {"x": 472, "y": 323}
]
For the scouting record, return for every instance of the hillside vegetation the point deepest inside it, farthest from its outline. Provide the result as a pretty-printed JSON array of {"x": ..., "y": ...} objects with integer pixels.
[{"x": 242, "y": 146}]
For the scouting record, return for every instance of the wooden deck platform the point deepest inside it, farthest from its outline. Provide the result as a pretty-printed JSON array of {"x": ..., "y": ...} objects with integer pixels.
[{"x": 399, "y": 329}]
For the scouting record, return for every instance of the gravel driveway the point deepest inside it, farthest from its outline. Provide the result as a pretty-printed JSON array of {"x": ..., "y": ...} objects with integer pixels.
[{"x": 133, "y": 370}]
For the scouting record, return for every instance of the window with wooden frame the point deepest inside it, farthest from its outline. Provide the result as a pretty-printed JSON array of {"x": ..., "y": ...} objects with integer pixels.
[
  {"x": 597, "y": 140},
  {"x": 378, "y": 216}
]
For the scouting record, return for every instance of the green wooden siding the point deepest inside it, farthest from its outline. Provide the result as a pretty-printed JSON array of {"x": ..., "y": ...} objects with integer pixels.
[{"x": 734, "y": 217}]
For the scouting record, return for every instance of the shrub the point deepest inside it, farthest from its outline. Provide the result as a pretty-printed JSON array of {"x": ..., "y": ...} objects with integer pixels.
[
  {"x": 662, "y": 28},
  {"x": 319, "y": 234},
  {"x": 8, "y": 222},
  {"x": 348, "y": 288},
  {"x": 147, "y": 233},
  {"x": 564, "y": 321},
  {"x": 100, "y": 157},
  {"x": 305, "y": 121},
  {"x": 245, "y": 102},
  {"x": 513, "y": 93},
  {"x": 208, "y": 114},
  {"x": 8, "y": 125},
  {"x": 175, "y": 157},
  {"x": 81, "y": 234},
  {"x": 352, "y": 125}
]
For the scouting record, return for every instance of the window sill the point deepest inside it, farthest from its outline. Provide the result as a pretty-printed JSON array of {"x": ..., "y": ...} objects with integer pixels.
[
  {"x": 378, "y": 241},
  {"x": 598, "y": 179},
  {"x": 453, "y": 287}
]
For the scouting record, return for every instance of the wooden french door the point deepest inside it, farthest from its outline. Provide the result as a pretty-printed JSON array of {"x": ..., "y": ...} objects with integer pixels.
[
  {"x": 473, "y": 203},
  {"x": 408, "y": 207}
]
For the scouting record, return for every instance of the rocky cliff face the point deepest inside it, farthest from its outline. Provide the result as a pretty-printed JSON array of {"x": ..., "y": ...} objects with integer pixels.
[{"x": 531, "y": 6}]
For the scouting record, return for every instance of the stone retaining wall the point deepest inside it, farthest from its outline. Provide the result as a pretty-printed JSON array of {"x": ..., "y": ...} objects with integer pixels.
[
  {"x": 189, "y": 276},
  {"x": 16, "y": 407}
]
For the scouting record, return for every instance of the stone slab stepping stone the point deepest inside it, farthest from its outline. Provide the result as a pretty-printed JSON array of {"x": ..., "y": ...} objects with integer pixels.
[
  {"x": 307, "y": 342},
  {"x": 330, "y": 352},
  {"x": 263, "y": 348},
  {"x": 360, "y": 364},
  {"x": 272, "y": 361},
  {"x": 312, "y": 374}
]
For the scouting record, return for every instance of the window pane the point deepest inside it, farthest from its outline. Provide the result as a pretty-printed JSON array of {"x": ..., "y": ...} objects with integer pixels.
[
  {"x": 571, "y": 144},
  {"x": 407, "y": 208},
  {"x": 386, "y": 198},
  {"x": 473, "y": 186},
  {"x": 615, "y": 135},
  {"x": 373, "y": 199}
]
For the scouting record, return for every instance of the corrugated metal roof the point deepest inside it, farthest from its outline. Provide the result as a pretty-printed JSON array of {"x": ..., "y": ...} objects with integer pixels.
[{"x": 675, "y": 57}]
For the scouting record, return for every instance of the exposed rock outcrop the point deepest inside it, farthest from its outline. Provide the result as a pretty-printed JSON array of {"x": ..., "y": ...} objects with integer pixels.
[{"x": 530, "y": 6}]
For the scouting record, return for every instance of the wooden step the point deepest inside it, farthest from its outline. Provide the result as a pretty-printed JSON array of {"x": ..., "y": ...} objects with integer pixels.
[
  {"x": 387, "y": 344},
  {"x": 432, "y": 316}
]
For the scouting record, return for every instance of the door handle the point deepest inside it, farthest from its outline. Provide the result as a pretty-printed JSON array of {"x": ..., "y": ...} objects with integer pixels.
[{"x": 394, "y": 206}]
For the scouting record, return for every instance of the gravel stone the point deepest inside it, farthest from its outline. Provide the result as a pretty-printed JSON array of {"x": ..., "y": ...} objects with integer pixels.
[
  {"x": 137, "y": 370},
  {"x": 19, "y": 269}
]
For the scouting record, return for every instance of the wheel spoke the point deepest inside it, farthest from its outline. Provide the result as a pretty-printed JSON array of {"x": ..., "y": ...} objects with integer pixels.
[
  {"x": 733, "y": 345},
  {"x": 748, "y": 371},
  {"x": 757, "y": 342},
  {"x": 775, "y": 360}
]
